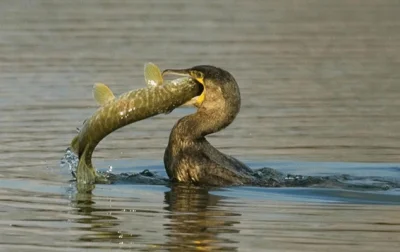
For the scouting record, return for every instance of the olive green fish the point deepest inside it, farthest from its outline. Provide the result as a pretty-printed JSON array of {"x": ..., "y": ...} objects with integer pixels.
[{"x": 116, "y": 112}]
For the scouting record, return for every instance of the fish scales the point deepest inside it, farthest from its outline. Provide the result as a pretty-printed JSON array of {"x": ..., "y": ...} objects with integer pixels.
[{"x": 130, "y": 107}]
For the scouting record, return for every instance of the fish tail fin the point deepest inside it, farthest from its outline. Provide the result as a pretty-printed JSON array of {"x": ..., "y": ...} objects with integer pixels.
[
  {"x": 85, "y": 173},
  {"x": 75, "y": 144}
]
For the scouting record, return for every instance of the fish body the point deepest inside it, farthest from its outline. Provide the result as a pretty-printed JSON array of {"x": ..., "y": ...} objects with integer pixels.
[{"x": 117, "y": 112}]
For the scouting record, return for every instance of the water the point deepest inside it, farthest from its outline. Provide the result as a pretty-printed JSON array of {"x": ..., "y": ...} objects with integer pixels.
[{"x": 320, "y": 95}]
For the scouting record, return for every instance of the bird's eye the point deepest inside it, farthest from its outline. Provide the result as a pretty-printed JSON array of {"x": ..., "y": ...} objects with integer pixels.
[{"x": 198, "y": 75}]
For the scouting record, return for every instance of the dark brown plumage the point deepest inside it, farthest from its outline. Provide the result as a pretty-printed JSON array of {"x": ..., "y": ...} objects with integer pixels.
[{"x": 189, "y": 157}]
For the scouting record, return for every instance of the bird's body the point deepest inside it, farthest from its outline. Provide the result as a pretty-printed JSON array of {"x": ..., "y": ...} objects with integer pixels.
[{"x": 189, "y": 157}]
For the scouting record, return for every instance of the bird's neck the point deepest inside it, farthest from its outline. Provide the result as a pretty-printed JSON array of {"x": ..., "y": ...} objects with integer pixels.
[{"x": 205, "y": 121}]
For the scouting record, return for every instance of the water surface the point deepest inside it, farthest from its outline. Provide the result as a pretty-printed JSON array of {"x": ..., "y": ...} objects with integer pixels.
[{"x": 320, "y": 95}]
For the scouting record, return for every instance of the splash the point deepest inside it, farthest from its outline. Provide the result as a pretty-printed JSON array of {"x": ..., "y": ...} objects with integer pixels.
[
  {"x": 110, "y": 168},
  {"x": 264, "y": 177},
  {"x": 70, "y": 160},
  {"x": 268, "y": 177}
]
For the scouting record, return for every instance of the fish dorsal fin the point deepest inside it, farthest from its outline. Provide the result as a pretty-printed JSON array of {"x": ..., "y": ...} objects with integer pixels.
[
  {"x": 102, "y": 94},
  {"x": 152, "y": 75}
]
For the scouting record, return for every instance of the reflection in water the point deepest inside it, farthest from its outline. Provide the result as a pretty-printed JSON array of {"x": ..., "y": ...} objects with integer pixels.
[
  {"x": 197, "y": 220},
  {"x": 99, "y": 221}
]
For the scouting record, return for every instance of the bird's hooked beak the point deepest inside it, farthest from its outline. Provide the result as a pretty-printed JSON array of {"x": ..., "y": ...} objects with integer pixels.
[
  {"x": 179, "y": 72},
  {"x": 195, "y": 74},
  {"x": 199, "y": 77}
]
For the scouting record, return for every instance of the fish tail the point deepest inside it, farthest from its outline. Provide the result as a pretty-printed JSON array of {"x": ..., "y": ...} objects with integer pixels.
[
  {"x": 85, "y": 174},
  {"x": 75, "y": 144}
]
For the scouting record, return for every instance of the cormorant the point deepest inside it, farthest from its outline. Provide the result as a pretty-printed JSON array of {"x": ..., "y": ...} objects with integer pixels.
[{"x": 189, "y": 157}]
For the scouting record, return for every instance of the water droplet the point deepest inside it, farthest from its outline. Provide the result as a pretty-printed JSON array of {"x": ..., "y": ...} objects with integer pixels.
[{"x": 69, "y": 159}]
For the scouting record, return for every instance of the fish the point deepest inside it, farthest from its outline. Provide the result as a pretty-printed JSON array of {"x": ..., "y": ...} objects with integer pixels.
[
  {"x": 154, "y": 77},
  {"x": 116, "y": 112}
]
